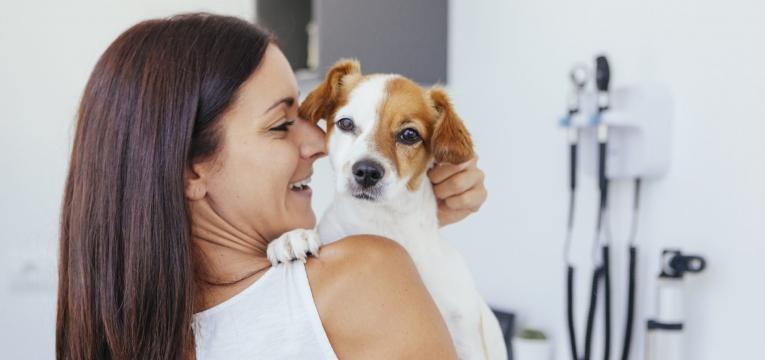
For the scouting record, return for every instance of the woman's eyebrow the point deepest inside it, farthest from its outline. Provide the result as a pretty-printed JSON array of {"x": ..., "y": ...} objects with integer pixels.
[{"x": 287, "y": 100}]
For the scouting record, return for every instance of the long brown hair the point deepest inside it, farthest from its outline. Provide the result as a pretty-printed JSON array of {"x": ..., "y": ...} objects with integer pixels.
[{"x": 126, "y": 278}]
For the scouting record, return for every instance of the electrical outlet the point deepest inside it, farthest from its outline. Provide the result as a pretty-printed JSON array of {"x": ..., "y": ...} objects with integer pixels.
[{"x": 30, "y": 273}]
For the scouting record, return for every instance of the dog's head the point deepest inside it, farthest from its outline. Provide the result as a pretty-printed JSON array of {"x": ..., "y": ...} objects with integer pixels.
[{"x": 384, "y": 131}]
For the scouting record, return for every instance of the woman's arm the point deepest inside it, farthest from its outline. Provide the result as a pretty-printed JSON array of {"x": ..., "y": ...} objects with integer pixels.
[{"x": 373, "y": 304}]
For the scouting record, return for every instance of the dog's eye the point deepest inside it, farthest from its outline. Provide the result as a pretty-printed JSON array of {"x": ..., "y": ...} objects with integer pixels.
[
  {"x": 409, "y": 136},
  {"x": 345, "y": 124}
]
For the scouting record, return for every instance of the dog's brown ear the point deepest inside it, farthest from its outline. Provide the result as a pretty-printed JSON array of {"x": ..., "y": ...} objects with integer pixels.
[
  {"x": 321, "y": 102},
  {"x": 450, "y": 141}
]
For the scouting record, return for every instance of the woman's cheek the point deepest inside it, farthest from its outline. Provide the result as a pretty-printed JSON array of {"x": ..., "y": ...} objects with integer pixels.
[{"x": 275, "y": 167}]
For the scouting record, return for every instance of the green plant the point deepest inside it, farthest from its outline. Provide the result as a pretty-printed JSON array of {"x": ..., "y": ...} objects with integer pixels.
[{"x": 532, "y": 334}]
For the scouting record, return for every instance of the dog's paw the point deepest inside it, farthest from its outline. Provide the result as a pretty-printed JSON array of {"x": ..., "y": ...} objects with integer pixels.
[{"x": 293, "y": 245}]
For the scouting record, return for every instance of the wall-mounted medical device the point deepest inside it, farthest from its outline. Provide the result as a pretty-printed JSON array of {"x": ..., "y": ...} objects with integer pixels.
[{"x": 615, "y": 133}]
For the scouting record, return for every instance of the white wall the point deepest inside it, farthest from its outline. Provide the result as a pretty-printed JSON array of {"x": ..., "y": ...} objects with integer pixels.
[
  {"x": 508, "y": 75},
  {"x": 508, "y": 65},
  {"x": 47, "y": 50}
]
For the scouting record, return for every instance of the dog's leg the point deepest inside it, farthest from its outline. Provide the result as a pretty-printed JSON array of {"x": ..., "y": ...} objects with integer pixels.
[
  {"x": 491, "y": 333},
  {"x": 465, "y": 334},
  {"x": 462, "y": 318},
  {"x": 293, "y": 245}
]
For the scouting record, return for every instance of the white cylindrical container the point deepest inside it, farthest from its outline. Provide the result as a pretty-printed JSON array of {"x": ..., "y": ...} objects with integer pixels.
[
  {"x": 664, "y": 333},
  {"x": 664, "y": 336},
  {"x": 531, "y": 349}
]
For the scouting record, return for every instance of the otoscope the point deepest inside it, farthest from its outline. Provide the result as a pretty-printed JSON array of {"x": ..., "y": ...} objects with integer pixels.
[
  {"x": 578, "y": 77},
  {"x": 602, "y": 79}
]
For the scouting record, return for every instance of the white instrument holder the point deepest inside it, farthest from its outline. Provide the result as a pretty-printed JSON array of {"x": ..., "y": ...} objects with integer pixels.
[{"x": 639, "y": 122}]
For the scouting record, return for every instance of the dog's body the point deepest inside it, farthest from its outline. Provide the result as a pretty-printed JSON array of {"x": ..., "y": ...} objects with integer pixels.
[
  {"x": 384, "y": 132},
  {"x": 413, "y": 223}
]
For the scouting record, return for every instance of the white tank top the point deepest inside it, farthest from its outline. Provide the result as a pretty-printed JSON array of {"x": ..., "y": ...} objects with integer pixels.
[{"x": 274, "y": 318}]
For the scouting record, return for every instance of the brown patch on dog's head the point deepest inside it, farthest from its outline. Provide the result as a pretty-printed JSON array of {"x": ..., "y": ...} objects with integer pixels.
[
  {"x": 332, "y": 93},
  {"x": 430, "y": 113}
]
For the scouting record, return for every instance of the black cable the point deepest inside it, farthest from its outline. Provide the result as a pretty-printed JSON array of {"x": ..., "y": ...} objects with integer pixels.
[
  {"x": 591, "y": 313},
  {"x": 570, "y": 312},
  {"x": 630, "y": 306},
  {"x": 607, "y": 303},
  {"x": 631, "y": 291}
]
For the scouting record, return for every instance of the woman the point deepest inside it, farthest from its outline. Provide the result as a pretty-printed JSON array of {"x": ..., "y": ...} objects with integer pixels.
[{"x": 186, "y": 142}]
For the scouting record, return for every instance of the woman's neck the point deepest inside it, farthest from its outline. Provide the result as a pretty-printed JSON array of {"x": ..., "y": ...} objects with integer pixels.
[
  {"x": 223, "y": 272},
  {"x": 227, "y": 260}
]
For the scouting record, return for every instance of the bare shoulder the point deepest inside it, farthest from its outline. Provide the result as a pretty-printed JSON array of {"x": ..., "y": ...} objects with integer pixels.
[{"x": 372, "y": 302}]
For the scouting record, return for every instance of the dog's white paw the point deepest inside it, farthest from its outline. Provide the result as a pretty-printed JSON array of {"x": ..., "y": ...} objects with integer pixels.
[{"x": 293, "y": 245}]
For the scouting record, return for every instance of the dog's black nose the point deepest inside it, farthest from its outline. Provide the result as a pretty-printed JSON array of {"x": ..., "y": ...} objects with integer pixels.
[{"x": 367, "y": 172}]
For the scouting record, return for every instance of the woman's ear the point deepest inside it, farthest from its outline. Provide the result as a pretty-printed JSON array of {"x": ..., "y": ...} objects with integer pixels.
[
  {"x": 322, "y": 101},
  {"x": 450, "y": 141},
  {"x": 194, "y": 183}
]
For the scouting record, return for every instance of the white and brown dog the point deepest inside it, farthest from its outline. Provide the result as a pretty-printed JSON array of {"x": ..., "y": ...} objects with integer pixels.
[{"x": 384, "y": 132}]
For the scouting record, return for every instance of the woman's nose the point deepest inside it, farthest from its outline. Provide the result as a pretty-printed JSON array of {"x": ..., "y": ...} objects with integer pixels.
[{"x": 311, "y": 139}]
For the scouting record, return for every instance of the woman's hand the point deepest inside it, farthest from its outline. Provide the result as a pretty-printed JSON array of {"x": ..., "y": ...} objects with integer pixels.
[{"x": 459, "y": 190}]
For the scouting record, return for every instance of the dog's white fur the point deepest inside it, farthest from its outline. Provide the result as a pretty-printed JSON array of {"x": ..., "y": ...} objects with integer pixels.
[{"x": 406, "y": 216}]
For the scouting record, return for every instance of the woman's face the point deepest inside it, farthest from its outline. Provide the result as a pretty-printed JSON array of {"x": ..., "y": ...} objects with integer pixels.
[{"x": 265, "y": 150}]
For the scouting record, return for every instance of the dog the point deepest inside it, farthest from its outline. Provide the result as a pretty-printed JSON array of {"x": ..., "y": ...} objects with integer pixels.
[{"x": 383, "y": 133}]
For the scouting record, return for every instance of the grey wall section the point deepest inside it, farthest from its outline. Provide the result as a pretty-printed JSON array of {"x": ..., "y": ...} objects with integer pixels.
[
  {"x": 288, "y": 19},
  {"x": 390, "y": 36}
]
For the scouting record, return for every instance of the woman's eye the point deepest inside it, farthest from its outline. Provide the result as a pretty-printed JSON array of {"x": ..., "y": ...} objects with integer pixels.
[
  {"x": 409, "y": 136},
  {"x": 285, "y": 126},
  {"x": 346, "y": 124}
]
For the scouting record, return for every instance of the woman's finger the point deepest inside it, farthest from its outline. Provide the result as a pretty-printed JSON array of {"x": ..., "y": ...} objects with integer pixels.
[
  {"x": 459, "y": 183},
  {"x": 470, "y": 200},
  {"x": 443, "y": 171}
]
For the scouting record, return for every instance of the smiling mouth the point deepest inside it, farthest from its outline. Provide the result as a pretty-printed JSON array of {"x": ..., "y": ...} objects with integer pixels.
[{"x": 300, "y": 185}]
